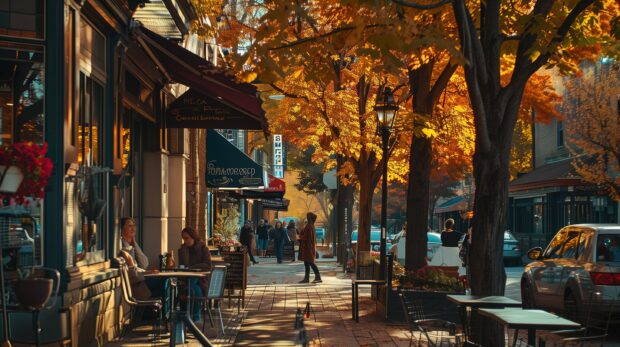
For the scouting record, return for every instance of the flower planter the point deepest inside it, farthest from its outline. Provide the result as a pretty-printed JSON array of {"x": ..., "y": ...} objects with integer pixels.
[
  {"x": 12, "y": 179},
  {"x": 33, "y": 292},
  {"x": 434, "y": 304}
]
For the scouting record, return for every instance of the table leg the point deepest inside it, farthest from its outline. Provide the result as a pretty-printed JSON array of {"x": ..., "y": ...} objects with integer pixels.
[
  {"x": 353, "y": 301},
  {"x": 531, "y": 337},
  {"x": 37, "y": 327},
  {"x": 197, "y": 333},
  {"x": 464, "y": 321},
  {"x": 357, "y": 303}
]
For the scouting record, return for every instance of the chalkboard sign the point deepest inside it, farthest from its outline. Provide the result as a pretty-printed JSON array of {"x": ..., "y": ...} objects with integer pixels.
[{"x": 216, "y": 285}]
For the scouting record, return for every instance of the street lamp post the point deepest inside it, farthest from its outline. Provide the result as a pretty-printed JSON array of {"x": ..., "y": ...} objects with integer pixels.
[{"x": 386, "y": 113}]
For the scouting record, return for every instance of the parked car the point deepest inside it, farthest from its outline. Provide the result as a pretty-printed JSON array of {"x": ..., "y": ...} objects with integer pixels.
[
  {"x": 512, "y": 249},
  {"x": 320, "y": 234},
  {"x": 578, "y": 273},
  {"x": 433, "y": 243},
  {"x": 375, "y": 238}
]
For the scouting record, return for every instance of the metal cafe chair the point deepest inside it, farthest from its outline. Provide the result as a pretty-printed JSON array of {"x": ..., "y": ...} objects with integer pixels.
[
  {"x": 417, "y": 321},
  {"x": 593, "y": 330},
  {"x": 215, "y": 295},
  {"x": 134, "y": 303}
]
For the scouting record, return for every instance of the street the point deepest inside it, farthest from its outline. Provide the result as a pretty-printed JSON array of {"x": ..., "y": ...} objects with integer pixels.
[{"x": 513, "y": 279}]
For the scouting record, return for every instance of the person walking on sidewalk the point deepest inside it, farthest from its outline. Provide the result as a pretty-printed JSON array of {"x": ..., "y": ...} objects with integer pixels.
[
  {"x": 246, "y": 236},
  {"x": 262, "y": 231},
  {"x": 307, "y": 249},
  {"x": 280, "y": 237},
  {"x": 293, "y": 232}
]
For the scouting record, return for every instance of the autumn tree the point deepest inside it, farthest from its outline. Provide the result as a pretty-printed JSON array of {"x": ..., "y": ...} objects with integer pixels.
[
  {"x": 318, "y": 42},
  {"x": 592, "y": 124},
  {"x": 529, "y": 34},
  {"x": 342, "y": 122}
]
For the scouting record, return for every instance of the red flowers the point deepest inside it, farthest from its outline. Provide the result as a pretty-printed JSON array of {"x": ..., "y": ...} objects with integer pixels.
[{"x": 35, "y": 166}]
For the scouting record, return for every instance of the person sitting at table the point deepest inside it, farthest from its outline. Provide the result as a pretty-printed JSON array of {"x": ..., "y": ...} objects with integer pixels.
[
  {"x": 449, "y": 237},
  {"x": 195, "y": 254},
  {"x": 136, "y": 260}
]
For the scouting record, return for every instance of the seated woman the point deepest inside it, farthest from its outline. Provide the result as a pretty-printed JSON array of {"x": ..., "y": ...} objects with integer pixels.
[{"x": 195, "y": 254}]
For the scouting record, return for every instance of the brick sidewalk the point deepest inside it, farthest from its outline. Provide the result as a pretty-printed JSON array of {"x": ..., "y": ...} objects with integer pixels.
[{"x": 272, "y": 298}]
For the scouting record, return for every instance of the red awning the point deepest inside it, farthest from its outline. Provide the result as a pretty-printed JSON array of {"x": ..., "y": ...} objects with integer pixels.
[
  {"x": 275, "y": 185},
  {"x": 185, "y": 67}
]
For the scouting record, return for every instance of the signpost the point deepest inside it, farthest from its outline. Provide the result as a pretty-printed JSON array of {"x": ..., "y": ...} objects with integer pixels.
[{"x": 278, "y": 156}]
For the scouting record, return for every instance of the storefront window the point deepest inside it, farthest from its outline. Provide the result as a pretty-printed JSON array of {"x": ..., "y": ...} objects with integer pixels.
[
  {"x": 92, "y": 184},
  {"x": 22, "y": 18},
  {"x": 22, "y": 91},
  {"x": 539, "y": 209}
]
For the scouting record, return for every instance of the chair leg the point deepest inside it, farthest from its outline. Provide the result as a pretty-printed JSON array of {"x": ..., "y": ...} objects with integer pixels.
[{"x": 219, "y": 311}]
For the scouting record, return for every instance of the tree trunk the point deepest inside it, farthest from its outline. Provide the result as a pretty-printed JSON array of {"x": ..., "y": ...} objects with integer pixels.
[
  {"x": 487, "y": 269},
  {"x": 418, "y": 202},
  {"x": 365, "y": 207}
]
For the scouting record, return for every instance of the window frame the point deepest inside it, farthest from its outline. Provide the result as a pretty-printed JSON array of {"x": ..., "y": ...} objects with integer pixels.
[{"x": 91, "y": 75}]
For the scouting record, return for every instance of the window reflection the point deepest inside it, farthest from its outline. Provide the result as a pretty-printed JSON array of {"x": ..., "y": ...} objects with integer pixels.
[{"x": 22, "y": 88}]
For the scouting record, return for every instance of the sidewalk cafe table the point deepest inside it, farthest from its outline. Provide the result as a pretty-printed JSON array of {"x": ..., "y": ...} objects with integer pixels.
[
  {"x": 182, "y": 318},
  {"x": 475, "y": 302},
  {"x": 532, "y": 320}
]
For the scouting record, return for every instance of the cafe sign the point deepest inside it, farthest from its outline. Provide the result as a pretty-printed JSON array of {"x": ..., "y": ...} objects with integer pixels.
[
  {"x": 195, "y": 110},
  {"x": 228, "y": 167}
]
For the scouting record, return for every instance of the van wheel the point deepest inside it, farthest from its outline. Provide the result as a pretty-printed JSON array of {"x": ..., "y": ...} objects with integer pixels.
[
  {"x": 571, "y": 308},
  {"x": 527, "y": 298}
]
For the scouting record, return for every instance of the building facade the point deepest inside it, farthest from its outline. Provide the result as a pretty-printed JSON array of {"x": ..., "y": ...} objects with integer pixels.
[
  {"x": 91, "y": 79},
  {"x": 553, "y": 195}
]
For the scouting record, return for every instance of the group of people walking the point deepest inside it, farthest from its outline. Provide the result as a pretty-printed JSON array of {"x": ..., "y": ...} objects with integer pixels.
[
  {"x": 281, "y": 237},
  {"x": 264, "y": 233}
]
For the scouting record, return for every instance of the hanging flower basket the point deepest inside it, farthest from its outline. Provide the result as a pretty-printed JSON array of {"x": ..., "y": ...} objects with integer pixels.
[
  {"x": 11, "y": 178},
  {"x": 35, "y": 167}
]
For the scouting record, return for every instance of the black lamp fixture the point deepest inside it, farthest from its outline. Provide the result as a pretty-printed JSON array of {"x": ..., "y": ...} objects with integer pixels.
[{"x": 386, "y": 109}]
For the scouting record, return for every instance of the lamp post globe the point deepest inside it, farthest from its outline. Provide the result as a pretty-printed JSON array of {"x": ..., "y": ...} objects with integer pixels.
[{"x": 386, "y": 113}]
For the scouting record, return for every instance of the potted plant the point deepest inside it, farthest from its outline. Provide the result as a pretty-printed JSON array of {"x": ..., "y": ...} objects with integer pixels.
[
  {"x": 429, "y": 286},
  {"x": 25, "y": 169}
]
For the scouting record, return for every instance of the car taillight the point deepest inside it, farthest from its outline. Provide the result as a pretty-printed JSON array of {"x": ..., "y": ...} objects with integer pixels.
[{"x": 605, "y": 278}]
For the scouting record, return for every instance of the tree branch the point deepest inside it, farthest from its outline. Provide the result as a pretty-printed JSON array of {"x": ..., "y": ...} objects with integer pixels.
[
  {"x": 524, "y": 70},
  {"x": 322, "y": 36},
  {"x": 422, "y": 6},
  {"x": 475, "y": 95},
  {"x": 442, "y": 82},
  {"x": 287, "y": 94}
]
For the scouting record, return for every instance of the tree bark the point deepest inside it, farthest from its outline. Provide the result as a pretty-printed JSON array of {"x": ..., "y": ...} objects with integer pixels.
[{"x": 418, "y": 202}]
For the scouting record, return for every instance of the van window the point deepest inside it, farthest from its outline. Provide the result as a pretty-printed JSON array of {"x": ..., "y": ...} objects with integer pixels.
[
  {"x": 572, "y": 245},
  {"x": 608, "y": 248},
  {"x": 554, "y": 250}
]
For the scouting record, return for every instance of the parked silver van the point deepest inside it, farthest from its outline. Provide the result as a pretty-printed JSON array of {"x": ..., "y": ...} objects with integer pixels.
[{"x": 578, "y": 274}]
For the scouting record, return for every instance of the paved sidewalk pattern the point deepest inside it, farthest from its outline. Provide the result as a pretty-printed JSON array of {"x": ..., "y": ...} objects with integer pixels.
[
  {"x": 274, "y": 295},
  {"x": 272, "y": 298}
]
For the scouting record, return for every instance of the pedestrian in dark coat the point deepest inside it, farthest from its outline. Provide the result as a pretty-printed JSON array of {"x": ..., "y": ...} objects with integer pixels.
[
  {"x": 307, "y": 249},
  {"x": 280, "y": 237},
  {"x": 246, "y": 236}
]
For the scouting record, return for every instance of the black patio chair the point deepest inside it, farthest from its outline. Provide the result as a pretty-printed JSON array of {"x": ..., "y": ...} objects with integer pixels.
[{"x": 417, "y": 321}]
